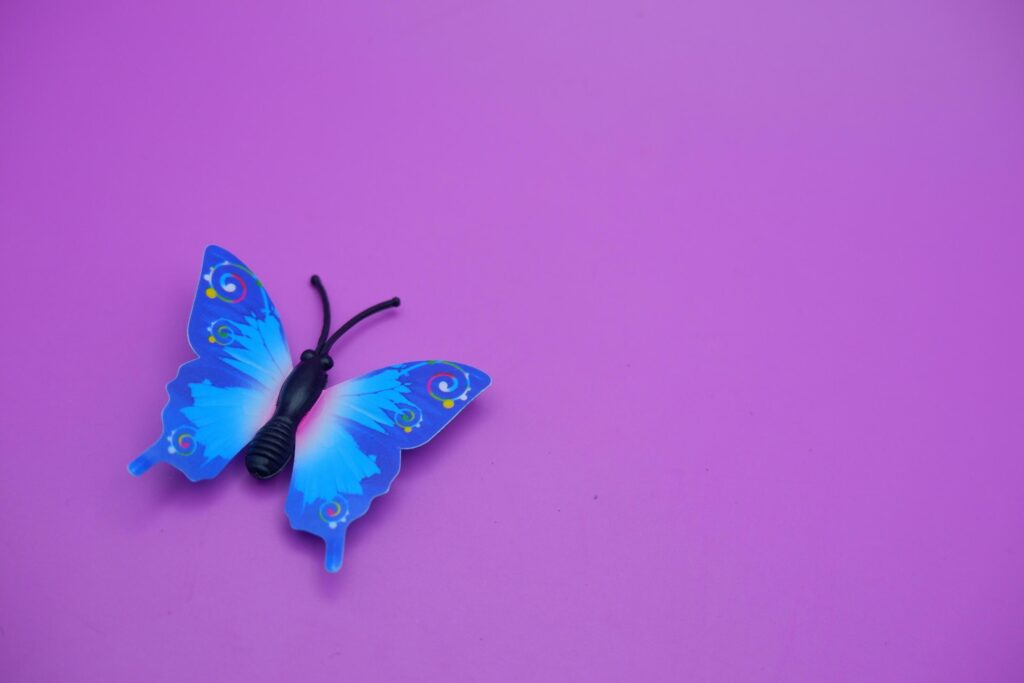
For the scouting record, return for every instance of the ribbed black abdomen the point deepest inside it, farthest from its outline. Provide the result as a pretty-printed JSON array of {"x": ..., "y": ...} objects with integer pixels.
[{"x": 271, "y": 448}]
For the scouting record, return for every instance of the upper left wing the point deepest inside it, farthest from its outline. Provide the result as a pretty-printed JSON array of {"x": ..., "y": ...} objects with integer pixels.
[{"x": 219, "y": 400}]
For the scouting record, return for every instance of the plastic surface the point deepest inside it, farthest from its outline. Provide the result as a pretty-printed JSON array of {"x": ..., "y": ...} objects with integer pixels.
[{"x": 348, "y": 439}]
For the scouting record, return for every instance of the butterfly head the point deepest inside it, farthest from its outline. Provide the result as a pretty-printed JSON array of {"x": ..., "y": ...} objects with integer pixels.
[{"x": 324, "y": 360}]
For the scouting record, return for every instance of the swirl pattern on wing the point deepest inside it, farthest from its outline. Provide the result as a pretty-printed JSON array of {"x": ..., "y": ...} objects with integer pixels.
[
  {"x": 181, "y": 441},
  {"x": 229, "y": 282},
  {"x": 334, "y": 512},
  {"x": 409, "y": 418},
  {"x": 449, "y": 385},
  {"x": 222, "y": 331}
]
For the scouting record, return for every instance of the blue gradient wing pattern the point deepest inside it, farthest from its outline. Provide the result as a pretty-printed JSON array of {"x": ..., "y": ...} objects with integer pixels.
[
  {"x": 219, "y": 400},
  {"x": 349, "y": 449}
]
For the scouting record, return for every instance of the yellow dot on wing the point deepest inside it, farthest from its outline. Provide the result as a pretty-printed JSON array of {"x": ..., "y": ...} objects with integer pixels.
[
  {"x": 213, "y": 340},
  {"x": 407, "y": 429},
  {"x": 211, "y": 293},
  {"x": 448, "y": 403}
]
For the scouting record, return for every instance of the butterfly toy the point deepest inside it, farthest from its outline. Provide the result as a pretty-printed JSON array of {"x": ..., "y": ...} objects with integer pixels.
[{"x": 242, "y": 395}]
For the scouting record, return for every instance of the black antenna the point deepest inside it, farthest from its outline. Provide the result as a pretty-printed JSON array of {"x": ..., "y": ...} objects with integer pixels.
[
  {"x": 315, "y": 281},
  {"x": 382, "y": 306}
]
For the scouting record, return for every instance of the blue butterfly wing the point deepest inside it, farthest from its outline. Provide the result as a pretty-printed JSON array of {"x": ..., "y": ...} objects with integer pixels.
[
  {"x": 219, "y": 400},
  {"x": 349, "y": 448}
]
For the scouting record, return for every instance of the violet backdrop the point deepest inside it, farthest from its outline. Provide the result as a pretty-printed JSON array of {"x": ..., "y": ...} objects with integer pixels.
[{"x": 747, "y": 277}]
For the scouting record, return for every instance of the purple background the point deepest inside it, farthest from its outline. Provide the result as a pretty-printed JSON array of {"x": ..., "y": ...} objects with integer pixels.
[{"x": 748, "y": 281}]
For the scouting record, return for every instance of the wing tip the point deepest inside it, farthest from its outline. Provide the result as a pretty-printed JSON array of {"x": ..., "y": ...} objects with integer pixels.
[
  {"x": 214, "y": 252},
  {"x": 481, "y": 379},
  {"x": 476, "y": 373},
  {"x": 334, "y": 554},
  {"x": 140, "y": 465}
]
